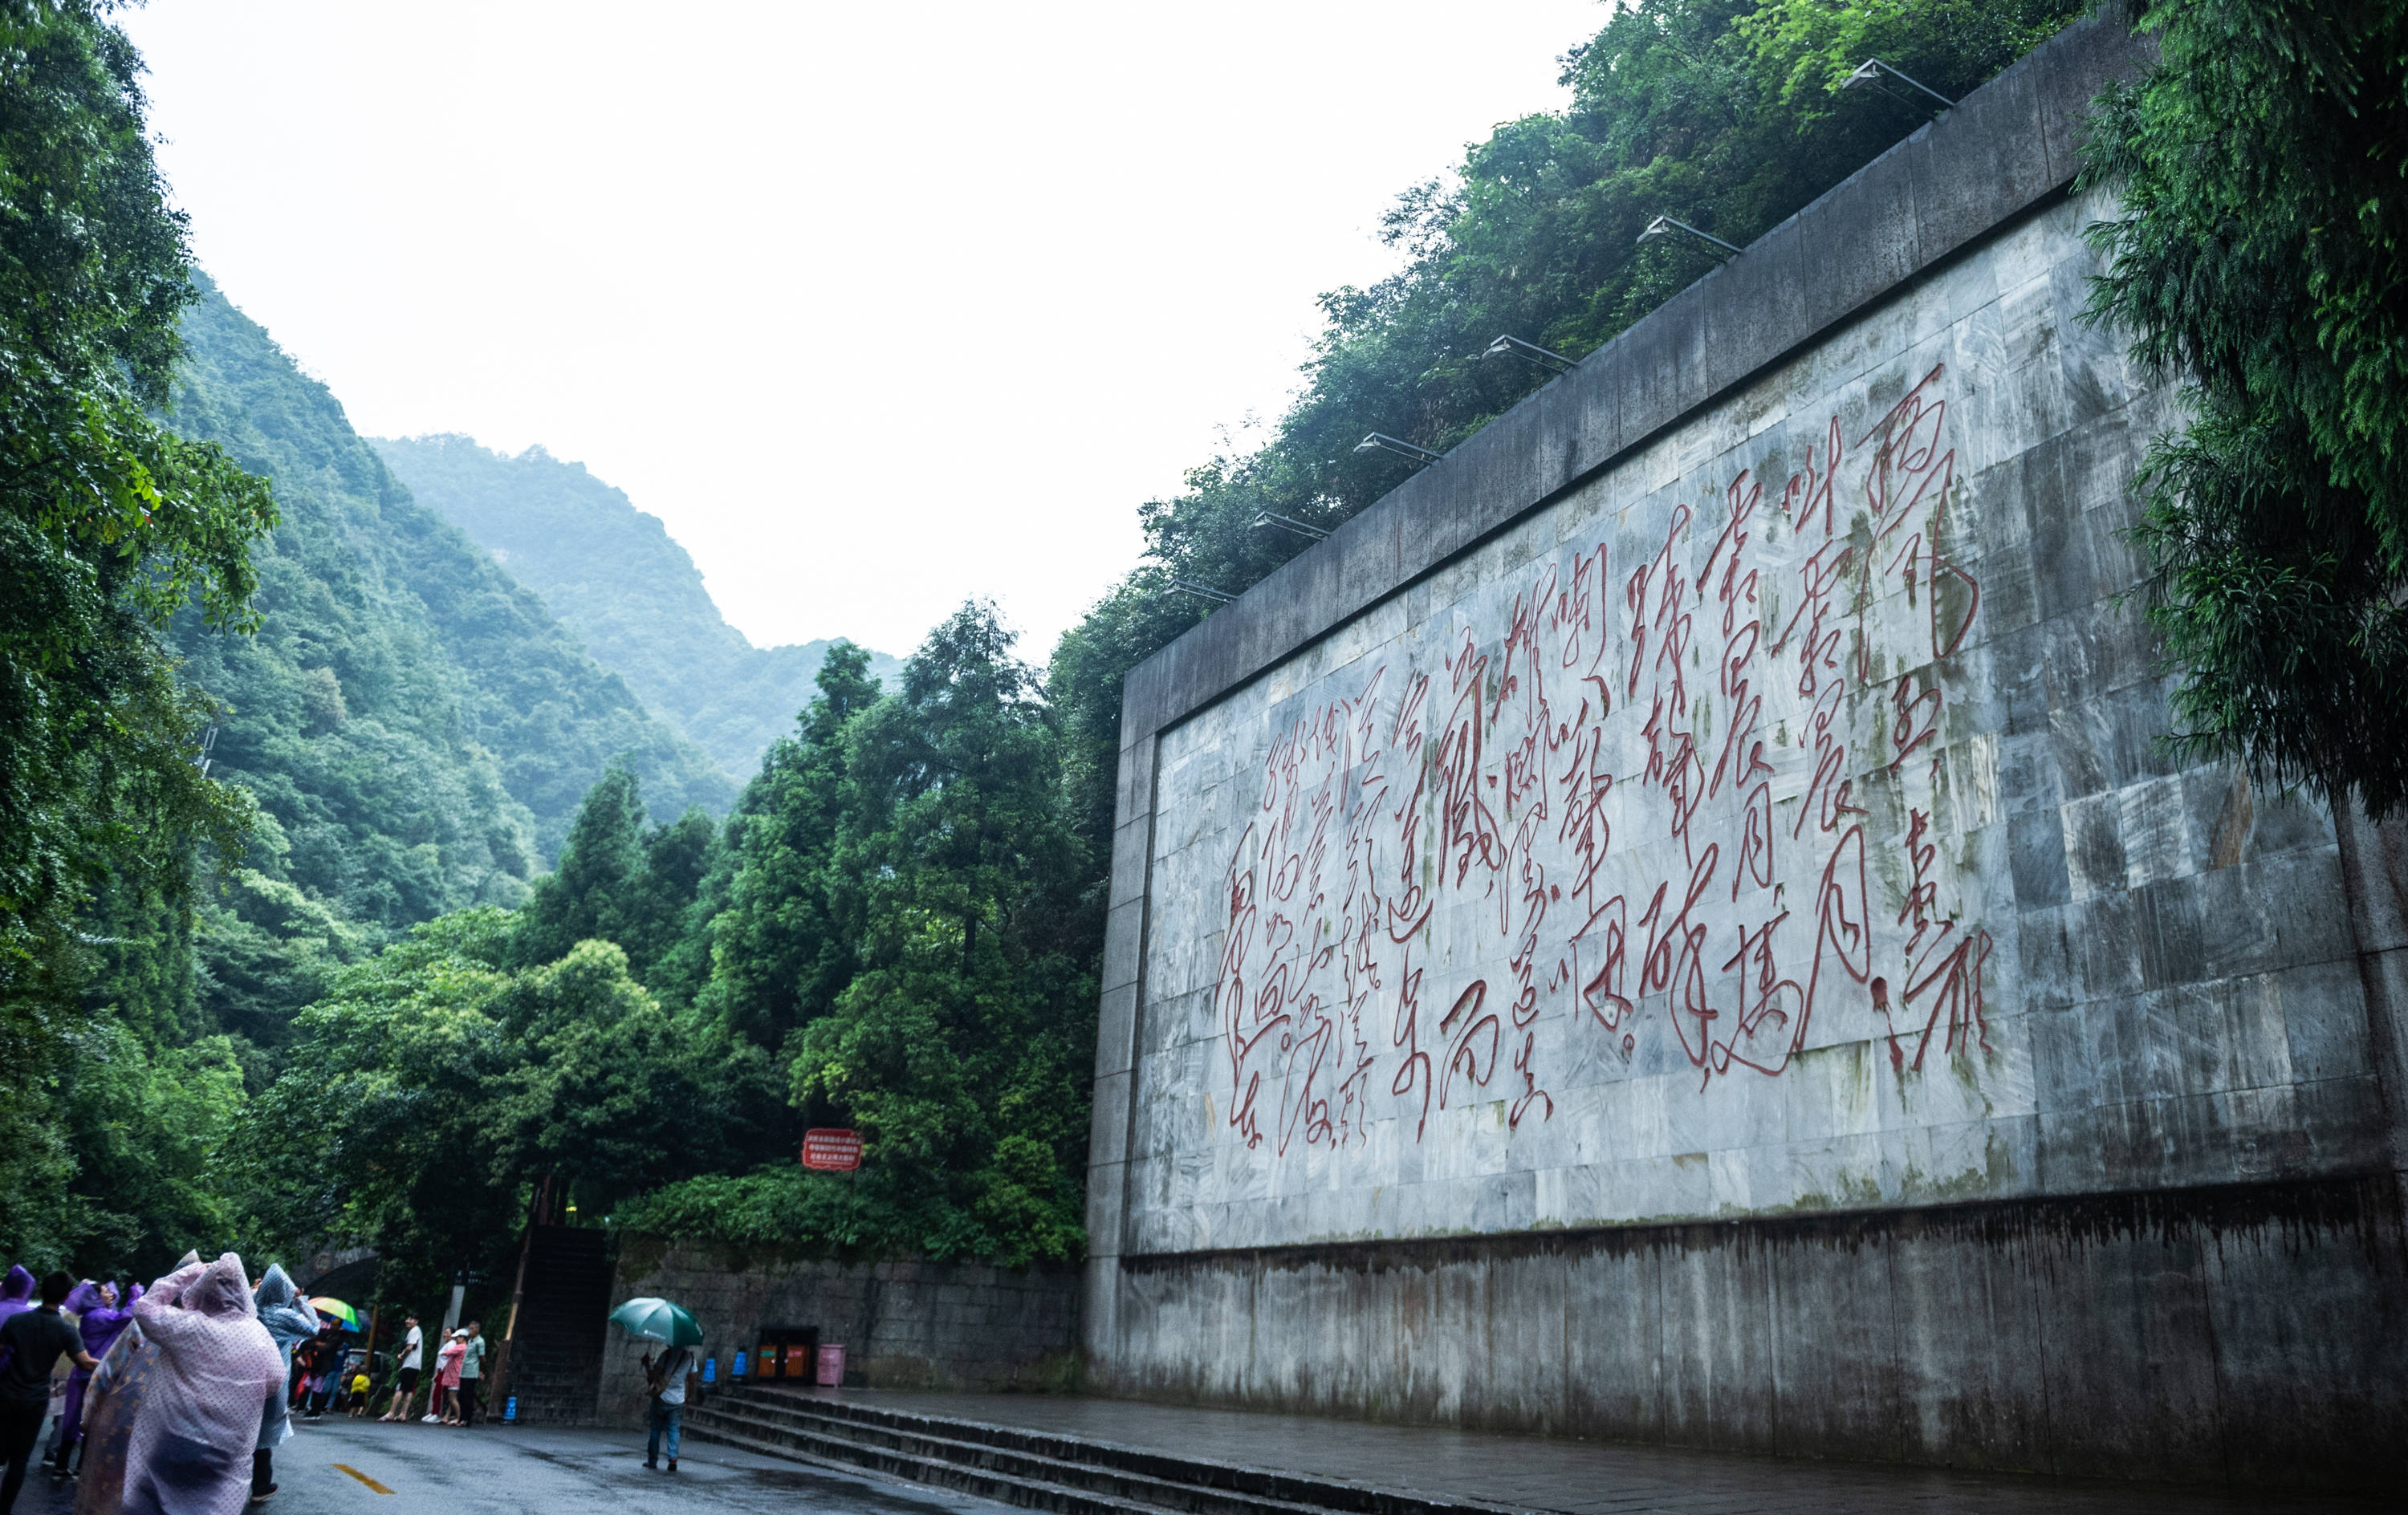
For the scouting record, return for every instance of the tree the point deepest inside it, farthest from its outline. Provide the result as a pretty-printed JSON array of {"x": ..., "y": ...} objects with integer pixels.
[
  {"x": 960, "y": 1045},
  {"x": 782, "y": 944},
  {"x": 588, "y": 895},
  {"x": 610, "y": 1091},
  {"x": 900, "y": 921},
  {"x": 109, "y": 523},
  {"x": 110, "y": 526},
  {"x": 424, "y": 1098},
  {"x": 2257, "y": 253},
  {"x": 380, "y": 1130},
  {"x": 619, "y": 882}
]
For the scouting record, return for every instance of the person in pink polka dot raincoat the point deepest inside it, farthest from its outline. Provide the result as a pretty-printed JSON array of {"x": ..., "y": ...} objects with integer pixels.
[{"x": 215, "y": 1371}]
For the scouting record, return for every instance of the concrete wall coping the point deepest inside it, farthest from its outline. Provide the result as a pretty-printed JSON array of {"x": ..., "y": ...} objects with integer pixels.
[{"x": 2009, "y": 147}]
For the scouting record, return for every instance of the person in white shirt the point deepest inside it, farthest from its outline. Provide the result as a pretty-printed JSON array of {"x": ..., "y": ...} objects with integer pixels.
[
  {"x": 667, "y": 1379},
  {"x": 412, "y": 1347}
]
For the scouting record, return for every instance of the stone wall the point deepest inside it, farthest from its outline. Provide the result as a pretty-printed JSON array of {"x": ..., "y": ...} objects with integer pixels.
[
  {"x": 906, "y": 1326},
  {"x": 2244, "y": 1334},
  {"x": 1679, "y": 923}
]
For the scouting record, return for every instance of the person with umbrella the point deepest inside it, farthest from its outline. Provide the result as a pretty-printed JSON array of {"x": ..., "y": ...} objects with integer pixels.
[{"x": 667, "y": 1380}]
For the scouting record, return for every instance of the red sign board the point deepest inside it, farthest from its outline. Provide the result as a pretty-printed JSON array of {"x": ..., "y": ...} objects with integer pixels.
[{"x": 831, "y": 1151}]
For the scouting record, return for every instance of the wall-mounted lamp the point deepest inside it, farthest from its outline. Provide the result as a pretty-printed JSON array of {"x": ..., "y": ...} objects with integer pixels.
[
  {"x": 1383, "y": 442},
  {"x": 1205, "y": 591},
  {"x": 1666, "y": 226},
  {"x": 1289, "y": 523},
  {"x": 1515, "y": 347},
  {"x": 1869, "y": 72}
]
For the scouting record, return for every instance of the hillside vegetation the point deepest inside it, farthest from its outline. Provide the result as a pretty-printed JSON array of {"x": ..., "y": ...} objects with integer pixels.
[
  {"x": 416, "y": 730},
  {"x": 259, "y": 711},
  {"x": 613, "y": 576}
]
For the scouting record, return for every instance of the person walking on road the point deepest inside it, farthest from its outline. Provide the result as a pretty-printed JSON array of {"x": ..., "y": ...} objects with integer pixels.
[
  {"x": 667, "y": 1379},
  {"x": 472, "y": 1372},
  {"x": 33, "y": 1341},
  {"x": 413, "y": 1346}
]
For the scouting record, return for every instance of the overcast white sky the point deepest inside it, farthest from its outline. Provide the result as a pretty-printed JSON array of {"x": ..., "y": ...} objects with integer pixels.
[{"x": 878, "y": 307}]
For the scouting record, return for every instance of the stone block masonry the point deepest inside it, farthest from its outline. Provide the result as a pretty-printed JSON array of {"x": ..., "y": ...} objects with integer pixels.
[
  {"x": 1679, "y": 923},
  {"x": 905, "y": 1325}
]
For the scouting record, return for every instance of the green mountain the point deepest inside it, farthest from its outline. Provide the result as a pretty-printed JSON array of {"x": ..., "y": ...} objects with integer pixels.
[
  {"x": 613, "y": 575},
  {"x": 417, "y": 729}
]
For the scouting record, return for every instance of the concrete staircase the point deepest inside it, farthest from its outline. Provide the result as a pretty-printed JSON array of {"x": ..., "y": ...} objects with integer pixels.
[
  {"x": 556, "y": 1365},
  {"x": 1035, "y": 1469}
]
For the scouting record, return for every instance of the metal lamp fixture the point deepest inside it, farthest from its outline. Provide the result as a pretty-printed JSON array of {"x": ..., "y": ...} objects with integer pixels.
[
  {"x": 1383, "y": 442},
  {"x": 1206, "y": 592},
  {"x": 1666, "y": 226},
  {"x": 1515, "y": 348},
  {"x": 1289, "y": 523},
  {"x": 1871, "y": 71}
]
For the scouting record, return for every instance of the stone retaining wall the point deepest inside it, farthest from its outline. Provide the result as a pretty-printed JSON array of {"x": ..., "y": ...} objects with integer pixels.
[
  {"x": 906, "y": 1326},
  {"x": 1680, "y": 923}
]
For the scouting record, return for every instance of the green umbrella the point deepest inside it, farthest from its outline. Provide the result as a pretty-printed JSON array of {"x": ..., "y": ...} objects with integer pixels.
[{"x": 657, "y": 1320}]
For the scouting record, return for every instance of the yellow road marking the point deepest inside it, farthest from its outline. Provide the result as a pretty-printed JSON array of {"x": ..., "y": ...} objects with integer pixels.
[{"x": 346, "y": 1467}]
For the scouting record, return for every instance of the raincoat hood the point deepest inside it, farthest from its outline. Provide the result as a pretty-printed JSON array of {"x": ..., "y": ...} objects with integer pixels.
[
  {"x": 17, "y": 1293},
  {"x": 284, "y": 1310},
  {"x": 222, "y": 1290},
  {"x": 100, "y": 1322},
  {"x": 214, "y": 1369}
]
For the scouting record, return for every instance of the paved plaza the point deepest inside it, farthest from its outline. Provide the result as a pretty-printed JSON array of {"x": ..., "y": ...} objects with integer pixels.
[
  {"x": 1580, "y": 1478},
  {"x": 341, "y": 1465},
  {"x": 362, "y": 1467}
]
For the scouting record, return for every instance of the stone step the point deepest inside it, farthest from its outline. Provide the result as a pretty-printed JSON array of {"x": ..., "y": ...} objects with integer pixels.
[
  {"x": 1039, "y": 1469},
  {"x": 834, "y": 1451}
]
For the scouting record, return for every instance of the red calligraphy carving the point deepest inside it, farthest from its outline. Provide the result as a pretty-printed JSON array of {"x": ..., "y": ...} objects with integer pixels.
[{"x": 1577, "y": 828}]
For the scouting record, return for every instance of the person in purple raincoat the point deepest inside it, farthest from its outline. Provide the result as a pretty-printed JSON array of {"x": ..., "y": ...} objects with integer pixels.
[
  {"x": 111, "y": 1409},
  {"x": 17, "y": 1293},
  {"x": 101, "y": 1318}
]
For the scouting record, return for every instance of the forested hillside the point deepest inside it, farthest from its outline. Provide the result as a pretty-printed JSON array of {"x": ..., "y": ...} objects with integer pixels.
[
  {"x": 417, "y": 730},
  {"x": 613, "y": 576},
  {"x": 883, "y": 935}
]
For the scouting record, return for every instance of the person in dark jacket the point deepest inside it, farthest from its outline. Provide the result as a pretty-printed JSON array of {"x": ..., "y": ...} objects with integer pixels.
[{"x": 32, "y": 1340}]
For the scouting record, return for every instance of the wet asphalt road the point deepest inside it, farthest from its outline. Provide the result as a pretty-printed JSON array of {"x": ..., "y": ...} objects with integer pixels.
[{"x": 433, "y": 1471}]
